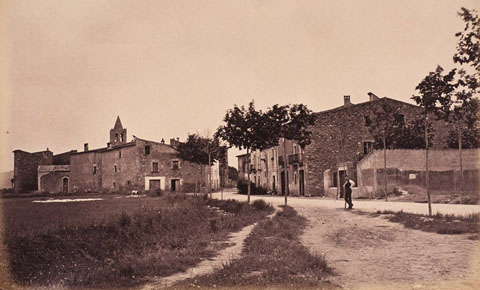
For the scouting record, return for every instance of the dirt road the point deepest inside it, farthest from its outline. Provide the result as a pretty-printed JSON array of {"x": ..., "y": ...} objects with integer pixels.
[{"x": 373, "y": 253}]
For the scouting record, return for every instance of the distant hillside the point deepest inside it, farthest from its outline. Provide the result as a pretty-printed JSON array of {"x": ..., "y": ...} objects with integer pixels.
[{"x": 5, "y": 178}]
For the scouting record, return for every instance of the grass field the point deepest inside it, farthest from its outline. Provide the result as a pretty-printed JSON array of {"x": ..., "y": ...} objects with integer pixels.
[{"x": 116, "y": 241}]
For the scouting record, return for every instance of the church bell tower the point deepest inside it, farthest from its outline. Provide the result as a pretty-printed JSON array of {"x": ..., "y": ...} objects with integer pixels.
[{"x": 118, "y": 135}]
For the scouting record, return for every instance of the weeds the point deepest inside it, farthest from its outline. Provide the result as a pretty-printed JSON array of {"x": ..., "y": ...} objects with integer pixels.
[
  {"x": 169, "y": 235},
  {"x": 272, "y": 255},
  {"x": 440, "y": 224}
]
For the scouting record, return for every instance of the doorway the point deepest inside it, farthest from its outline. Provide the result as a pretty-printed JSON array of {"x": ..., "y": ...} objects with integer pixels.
[
  {"x": 342, "y": 174},
  {"x": 174, "y": 185},
  {"x": 154, "y": 184},
  {"x": 301, "y": 182},
  {"x": 65, "y": 185}
]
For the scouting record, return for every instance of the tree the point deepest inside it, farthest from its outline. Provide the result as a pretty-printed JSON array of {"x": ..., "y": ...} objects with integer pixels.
[
  {"x": 247, "y": 128},
  {"x": 434, "y": 91},
  {"x": 383, "y": 125},
  {"x": 461, "y": 110},
  {"x": 468, "y": 46},
  {"x": 291, "y": 123},
  {"x": 232, "y": 173},
  {"x": 203, "y": 151}
]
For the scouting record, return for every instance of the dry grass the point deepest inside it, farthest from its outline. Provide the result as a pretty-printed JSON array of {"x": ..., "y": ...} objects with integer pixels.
[
  {"x": 274, "y": 256},
  {"x": 115, "y": 242},
  {"x": 440, "y": 224}
]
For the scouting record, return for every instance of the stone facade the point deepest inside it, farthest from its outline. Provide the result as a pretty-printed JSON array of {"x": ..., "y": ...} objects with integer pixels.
[
  {"x": 120, "y": 167},
  {"x": 140, "y": 165},
  {"x": 25, "y": 169},
  {"x": 340, "y": 139},
  {"x": 267, "y": 168},
  {"x": 54, "y": 178}
]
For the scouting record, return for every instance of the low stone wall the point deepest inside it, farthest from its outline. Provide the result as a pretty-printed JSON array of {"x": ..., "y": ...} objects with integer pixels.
[{"x": 407, "y": 167}]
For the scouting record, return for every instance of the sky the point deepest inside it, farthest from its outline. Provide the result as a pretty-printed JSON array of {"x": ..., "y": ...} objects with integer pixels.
[{"x": 170, "y": 68}]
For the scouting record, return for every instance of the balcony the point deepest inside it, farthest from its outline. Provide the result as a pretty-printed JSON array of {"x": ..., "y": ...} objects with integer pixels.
[{"x": 295, "y": 159}]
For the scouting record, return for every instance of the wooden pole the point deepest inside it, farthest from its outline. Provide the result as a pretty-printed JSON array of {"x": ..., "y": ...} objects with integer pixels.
[
  {"x": 285, "y": 170},
  {"x": 385, "y": 167},
  {"x": 426, "y": 166},
  {"x": 248, "y": 174}
]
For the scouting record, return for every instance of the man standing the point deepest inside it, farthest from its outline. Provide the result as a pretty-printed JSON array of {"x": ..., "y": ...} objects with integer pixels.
[{"x": 348, "y": 191}]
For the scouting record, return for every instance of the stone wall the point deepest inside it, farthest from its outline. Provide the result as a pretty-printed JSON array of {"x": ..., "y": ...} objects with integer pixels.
[
  {"x": 128, "y": 167},
  {"x": 338, "y": 135},
  {"x": 63, "y": 158},
  {"x": 25, "y": 169},
  {"x": 407, "y": 167},
  {"x": 84, "y": 178},
  {"x": 51, "y": 178}
]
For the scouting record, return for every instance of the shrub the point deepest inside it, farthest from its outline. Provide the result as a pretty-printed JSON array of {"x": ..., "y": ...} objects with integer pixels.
[
  {"x": 260, "y": 204},
  {"x": 242, "y": 187}
]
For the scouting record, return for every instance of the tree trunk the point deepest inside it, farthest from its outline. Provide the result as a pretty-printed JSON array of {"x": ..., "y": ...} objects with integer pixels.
[
  {"x": 426, "y": 167},
  {"x": 285, "y": 168},
  {"x": 248, "y": 174},
  {"x": 209, "y": 175},
  {"x": 385, "y": 177},
  {"x": 461, "y": 163}
]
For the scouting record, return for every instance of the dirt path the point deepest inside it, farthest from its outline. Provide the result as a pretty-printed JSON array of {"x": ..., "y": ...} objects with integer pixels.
[{"x": 371, "y": 252}]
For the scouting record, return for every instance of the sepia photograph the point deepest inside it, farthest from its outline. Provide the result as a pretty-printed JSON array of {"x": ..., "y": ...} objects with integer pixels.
[{"x": 239, "y": 144}]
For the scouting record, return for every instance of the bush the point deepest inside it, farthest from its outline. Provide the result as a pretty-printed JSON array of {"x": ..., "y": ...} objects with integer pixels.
[
  {"x": 242, "y": 187},
  {"x": 260, "y": 204},
  {"x": 156, "y": 192}
]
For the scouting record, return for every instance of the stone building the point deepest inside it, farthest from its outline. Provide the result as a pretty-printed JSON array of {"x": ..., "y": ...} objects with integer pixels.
[
  {"x": 267, "y": 168},
  {"x": 41, "y": 171},
  {"x": 340, "y": 139},
  {"x": 121, "y": 166}
]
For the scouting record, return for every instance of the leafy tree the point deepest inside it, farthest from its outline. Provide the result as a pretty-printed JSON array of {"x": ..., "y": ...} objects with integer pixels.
[
  {"x": 468, "y": 47},
  {"x": 232, "y": 173},
  {"x": 434, "y": 92},
  {"x": 382, "y": 127},
  {"x": 203, "y": 151},
  {"x": 247, "y": 128},
  {"x": 291, "y": 123}
]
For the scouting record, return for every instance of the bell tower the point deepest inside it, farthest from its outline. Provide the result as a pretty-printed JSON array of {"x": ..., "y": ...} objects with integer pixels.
[{"x": 118, "y": 135}]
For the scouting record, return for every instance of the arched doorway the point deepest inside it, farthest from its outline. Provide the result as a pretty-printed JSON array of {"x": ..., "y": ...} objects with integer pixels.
[{"x": 65, "y": 185}]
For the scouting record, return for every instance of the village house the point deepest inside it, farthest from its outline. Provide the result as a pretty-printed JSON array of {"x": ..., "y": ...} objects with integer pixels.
[
  {"x": 121, "y": 166},
  {"x": 340, "y": 140}
]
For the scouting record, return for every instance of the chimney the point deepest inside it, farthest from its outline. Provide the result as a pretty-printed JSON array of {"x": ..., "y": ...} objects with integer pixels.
[
  {"x": 346, "y": 100},
  {"x": 372, "y": 96},
  {"x": 172, "y": 142},
  {"x": 109, "y": 145},
  {"x": 85, "y": 147}
]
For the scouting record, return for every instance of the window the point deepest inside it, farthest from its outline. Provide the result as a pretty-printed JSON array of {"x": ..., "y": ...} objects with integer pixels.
[
  {"x": 121, "y": 137},
  {"x": 119, "y": 154},
  {"x": 175, "y": 164},
  {"x": 154, "y": 166},
  {"x": 295, "y": 177},
  {"x": 367, "y": 147},
  {"x": 295, "y": 149},
  {"x": 116, "y": 137},
  {"x": 147, "y": 149},
  {"x": 368, "y": 121},
  {"x": 115, "y": 169},
  {"x": 94, "y": 169}
]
